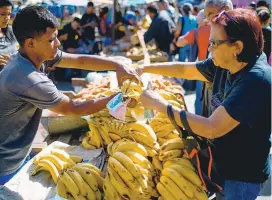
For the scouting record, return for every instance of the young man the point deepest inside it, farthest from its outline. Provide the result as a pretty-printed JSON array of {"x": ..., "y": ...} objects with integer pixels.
[
  {"x": 25, "y": 88},
  {"x": 88, "y": 22}
]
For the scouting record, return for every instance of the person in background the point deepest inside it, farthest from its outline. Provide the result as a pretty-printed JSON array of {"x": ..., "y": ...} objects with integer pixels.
[
  {"x": 262, "y": 3},
  {"x": 186, "y": 23},
  {"x": 163, "y": 5},
  {"x": 161, "y": 29},
  {"x": 104, "y": 26},
  {"x": 8, "y": 43},
  {"x": 195, "y": 10},
  {"x": 138, "y": 16},
  {"x": 213, "y": 7},
  {"x": 252, "y": 5},
  {"x": 265, "y": 19},
  {"x": 88, "y": 23},
  {"x": 26, "y": 90},
  {"x": 66, "y": 17},
  {"x": 240, "y": 125},
  {"x": 200, "y": 38}
]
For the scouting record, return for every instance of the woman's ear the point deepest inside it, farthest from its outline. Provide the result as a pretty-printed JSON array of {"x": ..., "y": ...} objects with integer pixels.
[{"x": 239, "y": 47}]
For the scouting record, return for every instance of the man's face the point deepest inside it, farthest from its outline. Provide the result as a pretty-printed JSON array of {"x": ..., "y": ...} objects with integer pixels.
[
  {"x": 90, "y": 9},
  {"x": 210, "y": 11},
  {"x": 151, "y": 15},
  {"x": 46, "y": 45},
  {"x": 160, "y": 5},
  {"x": 5, "y": 13},
  {"x": 75, "y": 25}
]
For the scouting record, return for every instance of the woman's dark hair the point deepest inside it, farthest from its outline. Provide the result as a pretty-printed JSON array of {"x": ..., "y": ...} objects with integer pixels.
[
  {"x": 103, "y": 11},
  {"x": 243, "y": 25},
  {"x": 31, "y": 22},
  {"x": 187, "y": 9},
  {"x": 7, "y": 31}
]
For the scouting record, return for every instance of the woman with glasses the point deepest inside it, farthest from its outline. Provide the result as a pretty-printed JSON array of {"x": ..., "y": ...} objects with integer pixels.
[
  {"x": 8, "y": 43},
  {"x": 240, "y": 125}
]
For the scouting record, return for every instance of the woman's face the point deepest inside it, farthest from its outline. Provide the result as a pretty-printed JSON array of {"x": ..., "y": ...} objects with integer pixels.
[
  {"x": 222, "y": 51},
  {"x": 5, "y": 13}
]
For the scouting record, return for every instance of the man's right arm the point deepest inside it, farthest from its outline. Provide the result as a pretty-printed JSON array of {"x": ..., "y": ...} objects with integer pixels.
[
  {"x": 67, "y": 107},
  {"x": 186, "y": 70}
]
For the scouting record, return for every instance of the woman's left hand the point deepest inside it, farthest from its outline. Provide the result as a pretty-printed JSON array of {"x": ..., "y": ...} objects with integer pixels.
[
  {"x": 152, "y": 100},
  {"x": 123, "y": 72}
]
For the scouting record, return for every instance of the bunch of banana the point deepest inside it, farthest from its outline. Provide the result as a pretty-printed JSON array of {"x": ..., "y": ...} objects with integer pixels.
[
  {"x": 130, "y": 173},
  {"x": 132, "y": 89},
  {"x": 143, "y": 134},
  {"x": 82, "y": 181},
  {"x": 54, "y": 162},
  {"x": 179, "y": 179}
]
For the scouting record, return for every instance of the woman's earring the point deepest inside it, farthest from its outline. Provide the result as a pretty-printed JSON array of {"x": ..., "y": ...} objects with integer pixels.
[{"x": 235, "y": 55}]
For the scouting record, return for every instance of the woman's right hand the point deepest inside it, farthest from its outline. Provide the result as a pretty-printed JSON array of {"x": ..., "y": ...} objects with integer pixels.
[
  {"x": 140, "y": 70},
  {"x": 4, "y": 59}
]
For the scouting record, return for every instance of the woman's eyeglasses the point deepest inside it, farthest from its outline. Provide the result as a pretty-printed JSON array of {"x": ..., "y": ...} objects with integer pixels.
[{"x": 216, "y": 43}]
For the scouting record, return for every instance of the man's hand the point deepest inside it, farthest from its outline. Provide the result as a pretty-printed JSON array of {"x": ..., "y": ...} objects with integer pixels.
[
  {"x": 140, "y": 70},
  {"x": 63, "y": 37},
  {"x": 123, "y": 72},
  {"x": 4, "y": 59},
  {"x": 153, "y": 101}
]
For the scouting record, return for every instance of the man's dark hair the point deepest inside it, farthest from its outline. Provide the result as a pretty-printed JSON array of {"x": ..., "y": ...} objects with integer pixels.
[
  {"x": 152, "y": 9},
  {"x": 4, "y": 3},
  {"x": 90, "y": 4},
  {"x": 31, "y": 22},
  {"x": 76, "y": 19},
  {"x": 262, "y": 3}
]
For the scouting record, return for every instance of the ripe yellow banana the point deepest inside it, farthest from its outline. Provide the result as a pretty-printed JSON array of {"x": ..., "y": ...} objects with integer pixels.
[
  {"x": 61, "y": 165},
  {"x": 90, "y": 166},
  {"x": 117, "y": 143},
  {"x": 105, "y": 136},
  {"x": 88, "y": 177},
  {"x": 174, "y": 103},
  {"x": 189, "y": 175},
  {"x": 61, "y": 190},
  {"x": 164, "y": 127},
  {"x": 166, "y": 194},
  {"x": 150, "y": 152},
  {"x": 173, "y": 188},
  {"x": 86, "y": 144},
  {"x": 99, "y": 179},
  {"x": 167, "y": 95},
  {"x": 163, "y": 134},
  {"x": 78, "y": 181},
  {"x": 98, "y": 195},
  {"x": 69, "y": 183},
  {"x": 140, "y": 160},
  {"x": 157, "y": 163},
  {"x": 121, "y": 170},
  {"x": 172, "y": 135},
  {"x": 118, "y": 184},
  {"x": 114, "y": 136},
  {"x": 110, "y": 190},
  {"x": 49, "y": 166},
  {"x": 143, "y": 128},
  {"x": 64, "y": 156},
  {"x": 161, "y": 198},
  {"x": 96, "y": 140},
  {"x": 176, "y": 153},
  {"x": 201, "y": 195},
  {"x": 172, "y": 144},
  {"x": 109, "y": 148},
  {"x": 161, "y": 141},
  {"x": 78, "y": 197},
  {"x": 142, "y": 138},
  {"x": 131, "y": 146},
  {"x": 37, "y": 170},
  {"x": 127, "y": 163},
  {"x": 91, "y": 193},
  {"x": 179, "y": 180},
  {"x": 76, "y": 159},
  {"x": 179, "y": 161}
]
